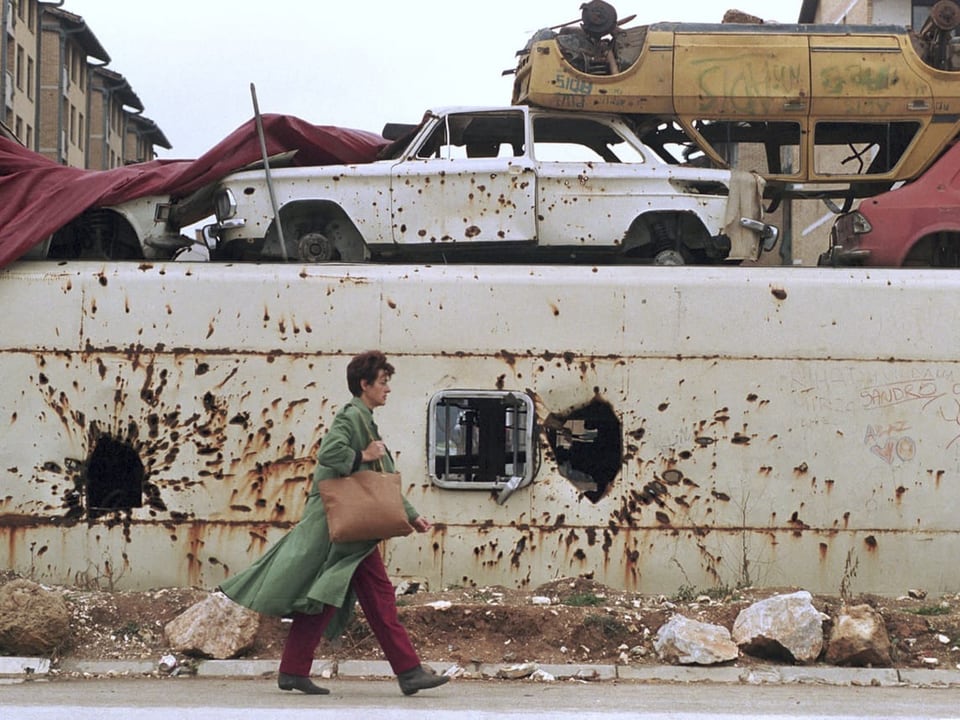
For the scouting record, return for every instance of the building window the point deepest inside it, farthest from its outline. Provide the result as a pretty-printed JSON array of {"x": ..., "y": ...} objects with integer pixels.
[
  {"x": 481, "y": 439},
  {"x": 31, "y": 80},
  {"x": 18, "y": 128},
  {"x": 18, "y": 68},
  {"x": 80, "y": 132}
]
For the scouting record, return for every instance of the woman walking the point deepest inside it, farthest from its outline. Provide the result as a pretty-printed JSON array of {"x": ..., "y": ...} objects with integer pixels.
[{"x": 315, "y": 581}]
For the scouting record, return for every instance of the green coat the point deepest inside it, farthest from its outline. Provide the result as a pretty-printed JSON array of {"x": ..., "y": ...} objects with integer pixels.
[{"x": 304, "y": 570}]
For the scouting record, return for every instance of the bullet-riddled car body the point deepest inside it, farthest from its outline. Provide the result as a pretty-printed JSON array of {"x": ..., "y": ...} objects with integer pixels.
[
  {"x": 493, "y": 185},
  {"x": 799, "y": 104}
]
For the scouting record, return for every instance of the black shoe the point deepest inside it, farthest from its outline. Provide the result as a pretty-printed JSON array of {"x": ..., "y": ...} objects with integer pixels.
[
  {"x": 419, "y": 678},
  {"x": 298, "y": 682}
]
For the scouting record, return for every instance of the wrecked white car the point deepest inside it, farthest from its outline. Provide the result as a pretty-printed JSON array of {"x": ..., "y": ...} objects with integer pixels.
[{"x": 496, "y": 184}]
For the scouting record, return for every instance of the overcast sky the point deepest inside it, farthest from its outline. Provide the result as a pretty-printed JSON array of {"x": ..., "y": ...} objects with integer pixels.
[{"x": 355, "y": 64}]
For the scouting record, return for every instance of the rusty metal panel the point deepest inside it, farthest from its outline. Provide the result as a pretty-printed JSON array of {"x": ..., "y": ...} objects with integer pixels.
[
  {"x": 27, "y": 325},
  {"x": 773, "y": 426},
  {"x": 741, "y": 75}
]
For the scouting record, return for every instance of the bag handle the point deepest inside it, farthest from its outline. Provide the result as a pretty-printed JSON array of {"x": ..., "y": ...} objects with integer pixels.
[{"x": 366, "y": 427}]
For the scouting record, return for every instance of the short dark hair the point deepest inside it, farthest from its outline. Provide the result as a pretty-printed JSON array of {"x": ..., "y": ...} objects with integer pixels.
[{"x": 366, "y": 366}]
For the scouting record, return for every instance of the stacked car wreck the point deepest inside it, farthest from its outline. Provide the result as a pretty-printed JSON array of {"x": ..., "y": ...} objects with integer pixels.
[{"x": 559, "y": 408}]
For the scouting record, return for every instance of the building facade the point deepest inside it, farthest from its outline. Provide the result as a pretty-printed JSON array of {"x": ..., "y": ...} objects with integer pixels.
[
  {"x": 59, "y": 99},
  {"x": 19, "y": 43}
]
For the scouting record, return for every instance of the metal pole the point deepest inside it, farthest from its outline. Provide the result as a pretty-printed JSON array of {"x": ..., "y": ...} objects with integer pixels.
[{"x": 266, "y": 170}]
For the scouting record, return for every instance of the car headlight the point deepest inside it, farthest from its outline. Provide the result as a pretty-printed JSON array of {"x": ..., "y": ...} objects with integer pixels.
[
  {"x": 860, "y": 224},
  {"x": 224, "y": 205}
]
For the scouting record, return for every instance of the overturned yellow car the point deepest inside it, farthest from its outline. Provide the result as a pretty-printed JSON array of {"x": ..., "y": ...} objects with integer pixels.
[{"x": 854, "y": 106}]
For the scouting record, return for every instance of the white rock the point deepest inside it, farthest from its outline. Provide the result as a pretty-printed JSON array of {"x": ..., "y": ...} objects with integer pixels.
[
  {"x": 540, "y": 600},
  {"x": 686, "y": 641},
  {"x": 214, "y": 627},
  {"x": 539, "y": 675},
  {"x": 440, "y": 605},
  {"x": 781, "y": 623},
  {"x": 514, "y": 672}
]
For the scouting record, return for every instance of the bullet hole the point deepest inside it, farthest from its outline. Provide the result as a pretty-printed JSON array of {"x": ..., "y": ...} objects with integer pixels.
[
  {"x": 672, "y": 476},
  {"x": 115, "y": 477},
  {"x": 588, "y": 447}
]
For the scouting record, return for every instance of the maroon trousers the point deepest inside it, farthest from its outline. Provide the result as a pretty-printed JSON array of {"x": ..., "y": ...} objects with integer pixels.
[{"x": 376, "y": 596}]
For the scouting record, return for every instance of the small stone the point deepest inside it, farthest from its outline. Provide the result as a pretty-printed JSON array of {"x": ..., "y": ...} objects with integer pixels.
[
  {"x": 540, "y": 600},
  {"x": 407, "y": 587},
  {"x": 515, "y": 672},
  {"x": 440, "y": 605},
  {"x": 942, "y": 639},
  {"x": 539, "y": 675},
  {"x": 917, "y": 594},
  {"x": 931, "y": 661}
]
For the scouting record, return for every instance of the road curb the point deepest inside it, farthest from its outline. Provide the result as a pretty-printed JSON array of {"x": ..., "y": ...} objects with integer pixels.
[{"x": 29, "y": 668}]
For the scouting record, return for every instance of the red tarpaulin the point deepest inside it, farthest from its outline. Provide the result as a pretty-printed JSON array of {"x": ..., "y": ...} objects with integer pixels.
[{"x": 38, "y": 196}]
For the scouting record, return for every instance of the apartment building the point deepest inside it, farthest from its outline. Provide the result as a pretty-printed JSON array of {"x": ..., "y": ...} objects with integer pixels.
[
  {"x": 19, "y": 44},
  {"x": 59, "y": 99},
  {"x": 108, "y": 99},
  {"x": 141, "y": 139},
  {"x": 910, "y": 13}
]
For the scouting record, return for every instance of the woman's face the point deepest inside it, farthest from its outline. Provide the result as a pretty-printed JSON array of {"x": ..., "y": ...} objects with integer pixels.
[{"x": 375, "y": 394}]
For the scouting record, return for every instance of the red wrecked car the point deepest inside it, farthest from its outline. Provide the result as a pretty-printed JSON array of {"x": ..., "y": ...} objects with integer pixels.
[{"x": 915, "y": 225}]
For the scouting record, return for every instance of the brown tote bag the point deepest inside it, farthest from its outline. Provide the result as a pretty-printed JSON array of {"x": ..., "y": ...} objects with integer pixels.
[
  {"x": 367, "y": 505},
  {"x": 364, "y": 506}
]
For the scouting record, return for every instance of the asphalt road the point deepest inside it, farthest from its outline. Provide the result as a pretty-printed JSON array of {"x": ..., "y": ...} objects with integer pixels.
[{"x": 228, "y": 699}]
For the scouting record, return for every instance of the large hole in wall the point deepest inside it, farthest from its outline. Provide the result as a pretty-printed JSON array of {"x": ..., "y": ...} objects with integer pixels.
[
  {"x": 587, "y": 444},
  {"x": 115, "y": 477}
]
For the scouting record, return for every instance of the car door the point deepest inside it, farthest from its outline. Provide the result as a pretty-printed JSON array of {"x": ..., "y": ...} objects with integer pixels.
[{"x": 469, "y": 181}]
